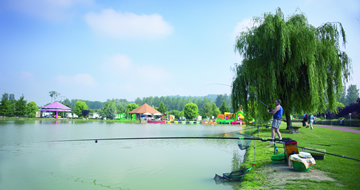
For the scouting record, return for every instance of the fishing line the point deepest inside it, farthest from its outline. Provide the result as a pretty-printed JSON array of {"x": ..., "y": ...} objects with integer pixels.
[
  {"x": 226, "y": 138},
  {"x": 219, "y": 84}
]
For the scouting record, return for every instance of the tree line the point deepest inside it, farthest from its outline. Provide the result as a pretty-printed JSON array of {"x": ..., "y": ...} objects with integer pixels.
[
  {"x": 19, "y": 108},
  {"x": 173, "y": 105}
]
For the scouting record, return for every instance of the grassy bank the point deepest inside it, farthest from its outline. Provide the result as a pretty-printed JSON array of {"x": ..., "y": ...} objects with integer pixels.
[{"x": 344, "y": 171}]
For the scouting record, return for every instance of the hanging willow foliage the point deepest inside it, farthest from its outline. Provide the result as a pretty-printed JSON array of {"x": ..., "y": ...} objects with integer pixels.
[{"x": 290, "y": 60}]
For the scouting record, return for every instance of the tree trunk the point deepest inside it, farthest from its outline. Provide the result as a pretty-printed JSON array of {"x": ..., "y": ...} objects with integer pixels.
[{"x": 288, "y": 120}]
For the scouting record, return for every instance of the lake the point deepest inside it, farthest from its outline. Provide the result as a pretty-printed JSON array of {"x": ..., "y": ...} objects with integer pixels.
[{"x": 29, "y": 161}]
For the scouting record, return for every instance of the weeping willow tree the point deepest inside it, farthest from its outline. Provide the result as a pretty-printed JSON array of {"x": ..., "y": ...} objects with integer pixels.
[{"x": 290, "y": 60}]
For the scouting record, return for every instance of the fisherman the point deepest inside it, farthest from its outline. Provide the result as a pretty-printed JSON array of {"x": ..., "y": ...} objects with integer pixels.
[{"x": 277, "y": 112}]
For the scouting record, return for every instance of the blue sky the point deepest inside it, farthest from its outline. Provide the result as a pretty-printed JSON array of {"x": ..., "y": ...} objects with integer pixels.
[{"x": 99, "y": 50}]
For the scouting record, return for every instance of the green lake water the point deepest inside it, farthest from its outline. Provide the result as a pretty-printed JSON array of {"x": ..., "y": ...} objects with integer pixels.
[{"x": 29, "y": 161}]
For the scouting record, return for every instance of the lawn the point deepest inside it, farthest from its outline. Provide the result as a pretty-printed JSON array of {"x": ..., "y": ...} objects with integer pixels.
[{"x": 344, "y": 171}]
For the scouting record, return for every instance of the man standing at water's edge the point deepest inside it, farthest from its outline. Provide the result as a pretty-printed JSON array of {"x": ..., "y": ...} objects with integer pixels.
[{"x": 277, "y": 112}]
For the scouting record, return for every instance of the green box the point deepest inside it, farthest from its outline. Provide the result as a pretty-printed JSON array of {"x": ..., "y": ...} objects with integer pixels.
[
  {"x": 299, "y": 166},
  {"x": 278, "y": 158}
]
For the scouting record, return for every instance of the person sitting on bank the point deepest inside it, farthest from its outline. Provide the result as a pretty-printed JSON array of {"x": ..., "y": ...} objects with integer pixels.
[{"x": 277, "y": 112}]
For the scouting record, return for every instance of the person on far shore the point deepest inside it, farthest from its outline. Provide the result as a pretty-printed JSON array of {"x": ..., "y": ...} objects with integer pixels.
[
  {"x": 306, "y": 118},
  {"x": 311, "y": 121},
  {"x": 277, "y": 112}
]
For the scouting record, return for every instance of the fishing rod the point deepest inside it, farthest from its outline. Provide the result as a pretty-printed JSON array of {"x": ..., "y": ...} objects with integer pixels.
[
  {"x": 264, "y": 104},
  {"x": 321, "y": 144},
  {"x": 159, "y": 138},
  {"x": 329, "y": 153}
]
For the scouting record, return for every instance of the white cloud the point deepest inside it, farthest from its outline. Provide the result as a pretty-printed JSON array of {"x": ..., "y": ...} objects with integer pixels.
[
  {"x": 79, "y": 80},
  {"x": 26, "y": 75},
  {"x": 122, "y": 25},
  {"x": 121, "y": 66},
  {"x": 118, "y": 62},
  {"x": 243, "y": 26},
  {"x": 152, "y": 73},
  {"x": 52, "y": 10}
]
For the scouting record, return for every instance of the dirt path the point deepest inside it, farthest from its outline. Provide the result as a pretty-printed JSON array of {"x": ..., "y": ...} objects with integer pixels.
[
  {"x": 280, "y": 174},
  {"x": 336, "y": 128}
]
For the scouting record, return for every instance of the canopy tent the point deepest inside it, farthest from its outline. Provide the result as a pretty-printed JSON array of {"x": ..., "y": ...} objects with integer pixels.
[
  {"x": 145, "y": 109},
  {"x": 55, "y": 107}
]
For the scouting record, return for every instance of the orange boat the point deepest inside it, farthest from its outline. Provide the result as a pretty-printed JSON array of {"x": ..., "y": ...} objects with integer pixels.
[{"x": 210, "y": 122}]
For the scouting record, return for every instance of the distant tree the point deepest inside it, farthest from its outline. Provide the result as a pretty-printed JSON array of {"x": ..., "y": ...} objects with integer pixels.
[
  {"x": 79, "y": 107},
  {"x": 207, "y": 110},
  {"x": 20, "y": 107},
  {"x": 130, "y": 107},
  {"x": 53, "y": 95},
  {"x": 352, "y": 94},
  {"x": 162, "y": 108},
  {"x": 342, "y": 97},
  {"x": 108, "y": 111},
  {"x": 177, "y": 103},
  {"x": 31, "y": 109},
  {"x": 223, "y": 108},
  {"x": 228, "y": 103},
  {"x": 120, "y": 108},
  {"x": 138, "y": 101},
  {"x": 156, "y": 101},
  {"x": 12, "y": 104},
  {"x": 167, "y": 101},
  {"x": 215, "y": 110},
  {"x": 219, "y": 99},
  {"x": 67, "y": 103},
  {"x": 191, "y": 111},
  {"x": 5, "y": 109}
]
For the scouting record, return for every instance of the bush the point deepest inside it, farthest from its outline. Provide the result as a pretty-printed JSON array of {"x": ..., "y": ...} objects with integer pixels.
[{"x": 31, "y": 115}]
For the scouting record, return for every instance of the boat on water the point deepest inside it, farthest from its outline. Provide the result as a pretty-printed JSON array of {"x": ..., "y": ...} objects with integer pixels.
[
  {"x": 156, "y": 121},
  {"x": 210, "y": 122},
  {"x": 236, "y": 122}
]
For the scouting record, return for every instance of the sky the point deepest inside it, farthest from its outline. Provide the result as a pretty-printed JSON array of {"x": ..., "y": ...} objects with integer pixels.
[{"x": 98, "y": 50}]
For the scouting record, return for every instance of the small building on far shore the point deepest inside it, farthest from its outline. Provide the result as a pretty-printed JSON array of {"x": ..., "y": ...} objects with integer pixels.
[
  {"x": 55, "y": 107},
  {"x": 144, "y": 110}
]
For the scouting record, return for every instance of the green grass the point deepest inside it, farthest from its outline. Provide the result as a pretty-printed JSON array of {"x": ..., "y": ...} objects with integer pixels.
[{"x": 344, "y": 171}]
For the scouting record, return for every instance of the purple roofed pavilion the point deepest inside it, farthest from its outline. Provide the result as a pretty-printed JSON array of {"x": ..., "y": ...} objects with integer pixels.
[{"x": 55, "y": 107}]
